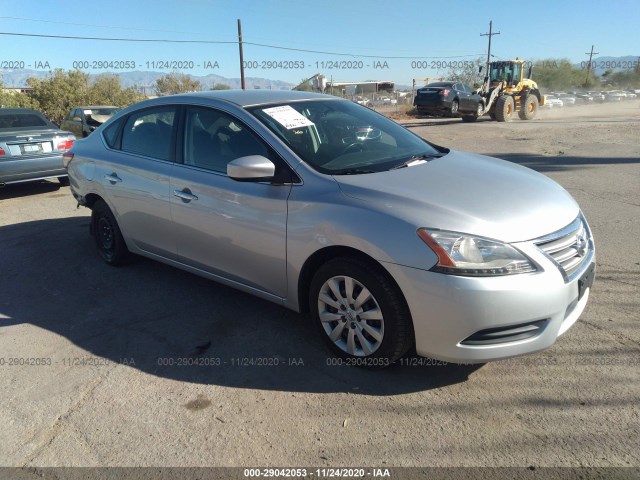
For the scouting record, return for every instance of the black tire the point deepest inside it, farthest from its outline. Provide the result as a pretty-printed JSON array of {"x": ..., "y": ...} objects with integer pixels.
[
  {"x": 473, "y": 118},
  {"x": 64, "y": 181},
  {"x": 528, "y": 107},
  {"x": 395, "y": 320},
  {"x": 455, "y": 107},
  {"x": 107, "y": 235},
  {"x": 504, "y": 108}
]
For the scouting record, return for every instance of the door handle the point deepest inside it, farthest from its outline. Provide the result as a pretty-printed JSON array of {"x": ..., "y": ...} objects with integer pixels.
[
  {"x": 185, "y": 195},
  {"x": 113, "y": 178}
]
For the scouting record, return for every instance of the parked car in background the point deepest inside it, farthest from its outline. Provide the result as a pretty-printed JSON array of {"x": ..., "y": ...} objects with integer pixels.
[
  {"x": 448, "y": 98},
  {"x": 631, "y": 94},
  {"x": 551, "y": 101},
  {"x": 614, "y": 96},
  {"x": 567, "y": 99},
  {"x": 31, "y": 147},
  {"x": 81, "y": 121},
  {"x": 318, "y": 204},
  {"x": 597, "y": 96},
  {"x": 582, "y": 97}
]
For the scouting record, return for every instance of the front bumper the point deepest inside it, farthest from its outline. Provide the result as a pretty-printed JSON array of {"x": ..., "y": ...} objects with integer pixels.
[{"x": 448, "y": 310}]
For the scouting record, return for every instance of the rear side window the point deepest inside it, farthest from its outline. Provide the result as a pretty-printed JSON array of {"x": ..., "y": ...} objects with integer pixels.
[
  {"x": 111, "y": 133},
  {"x": 149, "y": 133}
]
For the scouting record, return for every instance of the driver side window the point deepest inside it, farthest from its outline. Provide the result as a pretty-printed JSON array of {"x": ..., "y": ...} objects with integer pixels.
[{"x": 213, "y": 138}]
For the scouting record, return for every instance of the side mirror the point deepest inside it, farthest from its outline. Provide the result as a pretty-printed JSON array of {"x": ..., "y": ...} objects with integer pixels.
[
  {"x": 76, "y": 119},
  {"x": 480, "y": 69},
  {"x": 251, "y": 168}
]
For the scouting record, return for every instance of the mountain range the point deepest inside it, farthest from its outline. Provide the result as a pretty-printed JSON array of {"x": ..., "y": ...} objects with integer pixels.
[{"x": 145, "y": 80}]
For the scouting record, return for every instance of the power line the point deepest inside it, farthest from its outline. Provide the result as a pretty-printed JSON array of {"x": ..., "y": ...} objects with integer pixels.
[
  {"x": 90, "y": 25},
  {"x": 209, "y": 42},
  {"x": 114, "y": 39}
]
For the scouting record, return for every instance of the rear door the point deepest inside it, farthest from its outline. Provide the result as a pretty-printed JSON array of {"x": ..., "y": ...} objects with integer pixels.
[
  {"x": 236, "y": 230},
  {"x": 135, "y": 178}
]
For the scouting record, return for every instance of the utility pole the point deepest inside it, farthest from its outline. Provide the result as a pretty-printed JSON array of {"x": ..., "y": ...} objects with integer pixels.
[
  {"x": 490, "y": 34},
  {"x": 591, "y": 54},
  {"x": 241, "y": 55}
]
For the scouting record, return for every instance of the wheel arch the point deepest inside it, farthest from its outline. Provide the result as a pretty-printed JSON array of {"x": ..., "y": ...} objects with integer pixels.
[{"x": 322, "y": 256}]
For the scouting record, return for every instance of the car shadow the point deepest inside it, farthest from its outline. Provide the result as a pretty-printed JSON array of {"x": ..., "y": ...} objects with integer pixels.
[
  {"x": 439, "y": 121},
  {"x": 175, "y": 325},
  {"x": 556, "y": 163},
  {"x": 25, "y": 189}
]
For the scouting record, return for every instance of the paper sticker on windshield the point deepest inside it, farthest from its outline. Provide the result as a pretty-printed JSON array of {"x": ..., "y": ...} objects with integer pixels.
[
  {"x": 87, "y": 112},
  {"x": 288, "y": 117}
]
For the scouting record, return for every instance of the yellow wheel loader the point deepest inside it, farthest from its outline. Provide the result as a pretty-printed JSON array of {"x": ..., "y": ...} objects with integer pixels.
[{"x": 506, "y": 90}]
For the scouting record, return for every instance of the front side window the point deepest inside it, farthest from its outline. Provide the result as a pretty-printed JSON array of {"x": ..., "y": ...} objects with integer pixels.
[
  {"x": 338, "y": 137},
  {"x": 212, "y": 139},
  {"x": 149, "y": 133}
]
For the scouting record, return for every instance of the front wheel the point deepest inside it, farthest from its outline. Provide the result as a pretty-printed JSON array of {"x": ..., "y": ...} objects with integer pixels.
[
  {"x": 504, "y": 108},
  {"x": 360, "y": 312},
  {"x": 478, "y": 114}
]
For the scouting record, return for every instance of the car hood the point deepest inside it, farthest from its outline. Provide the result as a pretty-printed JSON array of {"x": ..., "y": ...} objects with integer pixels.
[{"x": 468, "y": 193}]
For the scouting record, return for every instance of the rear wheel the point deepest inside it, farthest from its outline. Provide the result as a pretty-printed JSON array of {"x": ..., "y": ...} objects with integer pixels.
[
  {"x": 528, "y": 107},
  {"x": 455, "y": 106},
  {"x": 107, "y": 235},
  {"x": 504, "y": 108},
  {"x": 360, "y": 313}
]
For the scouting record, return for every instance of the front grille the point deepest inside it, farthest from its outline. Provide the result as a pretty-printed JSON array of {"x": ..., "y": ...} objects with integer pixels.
[{"x": 569, "y": 247}]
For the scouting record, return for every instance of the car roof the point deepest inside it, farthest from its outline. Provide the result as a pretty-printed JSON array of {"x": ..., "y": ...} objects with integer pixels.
[
  {"x": 441, "y": 84},
  {"x": 246, "y": 98},
  {"x": 19, "y": 110},
  {"x": 95, "y": 106}
]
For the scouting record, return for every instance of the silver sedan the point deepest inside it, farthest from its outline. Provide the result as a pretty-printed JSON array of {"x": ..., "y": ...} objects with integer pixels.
[{"x": 389, "y": 242}]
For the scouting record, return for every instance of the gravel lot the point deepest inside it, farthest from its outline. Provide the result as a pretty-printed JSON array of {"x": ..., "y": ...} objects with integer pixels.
[{"x": 97, "y": 363}]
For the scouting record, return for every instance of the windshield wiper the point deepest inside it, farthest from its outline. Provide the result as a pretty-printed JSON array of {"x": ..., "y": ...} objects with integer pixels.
[
  {"x": 352, "y": 171},
  {"x": 415, "y": 158}
]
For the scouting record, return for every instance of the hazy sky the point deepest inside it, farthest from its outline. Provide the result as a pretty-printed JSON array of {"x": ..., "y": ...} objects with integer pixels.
[{"x": 369, "y": 33}]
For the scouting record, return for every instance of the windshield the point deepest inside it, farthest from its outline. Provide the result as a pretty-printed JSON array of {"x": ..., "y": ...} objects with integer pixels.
[
  {"x": 505, "y": 72},
  {"x": 340, "y": 137},
  {"x": 96, "y": 116}
]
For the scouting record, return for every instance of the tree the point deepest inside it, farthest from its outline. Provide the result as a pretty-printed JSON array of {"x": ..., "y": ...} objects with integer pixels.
[
  {"x": 62, "y": 91},
  {"x": 12, "y": 99},
  {"x": 304, "y": 86},
  {"x": 561, "y": 74},
  {"x": 220, "y": 86},
  {"x": 107, "y": 90},
  {"x": 173, "y": 83},
  {"x": 467, "y": 72},
  {"x": 59, "y": 93}
]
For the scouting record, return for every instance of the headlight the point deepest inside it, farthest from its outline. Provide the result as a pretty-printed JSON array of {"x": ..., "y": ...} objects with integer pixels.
[{"x": 462, "y": 254}]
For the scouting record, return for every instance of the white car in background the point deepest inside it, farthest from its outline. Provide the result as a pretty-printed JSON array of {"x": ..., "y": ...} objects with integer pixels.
[
  {"x": 551, "y": 101},
  {"x": 567, "y": 99}
]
